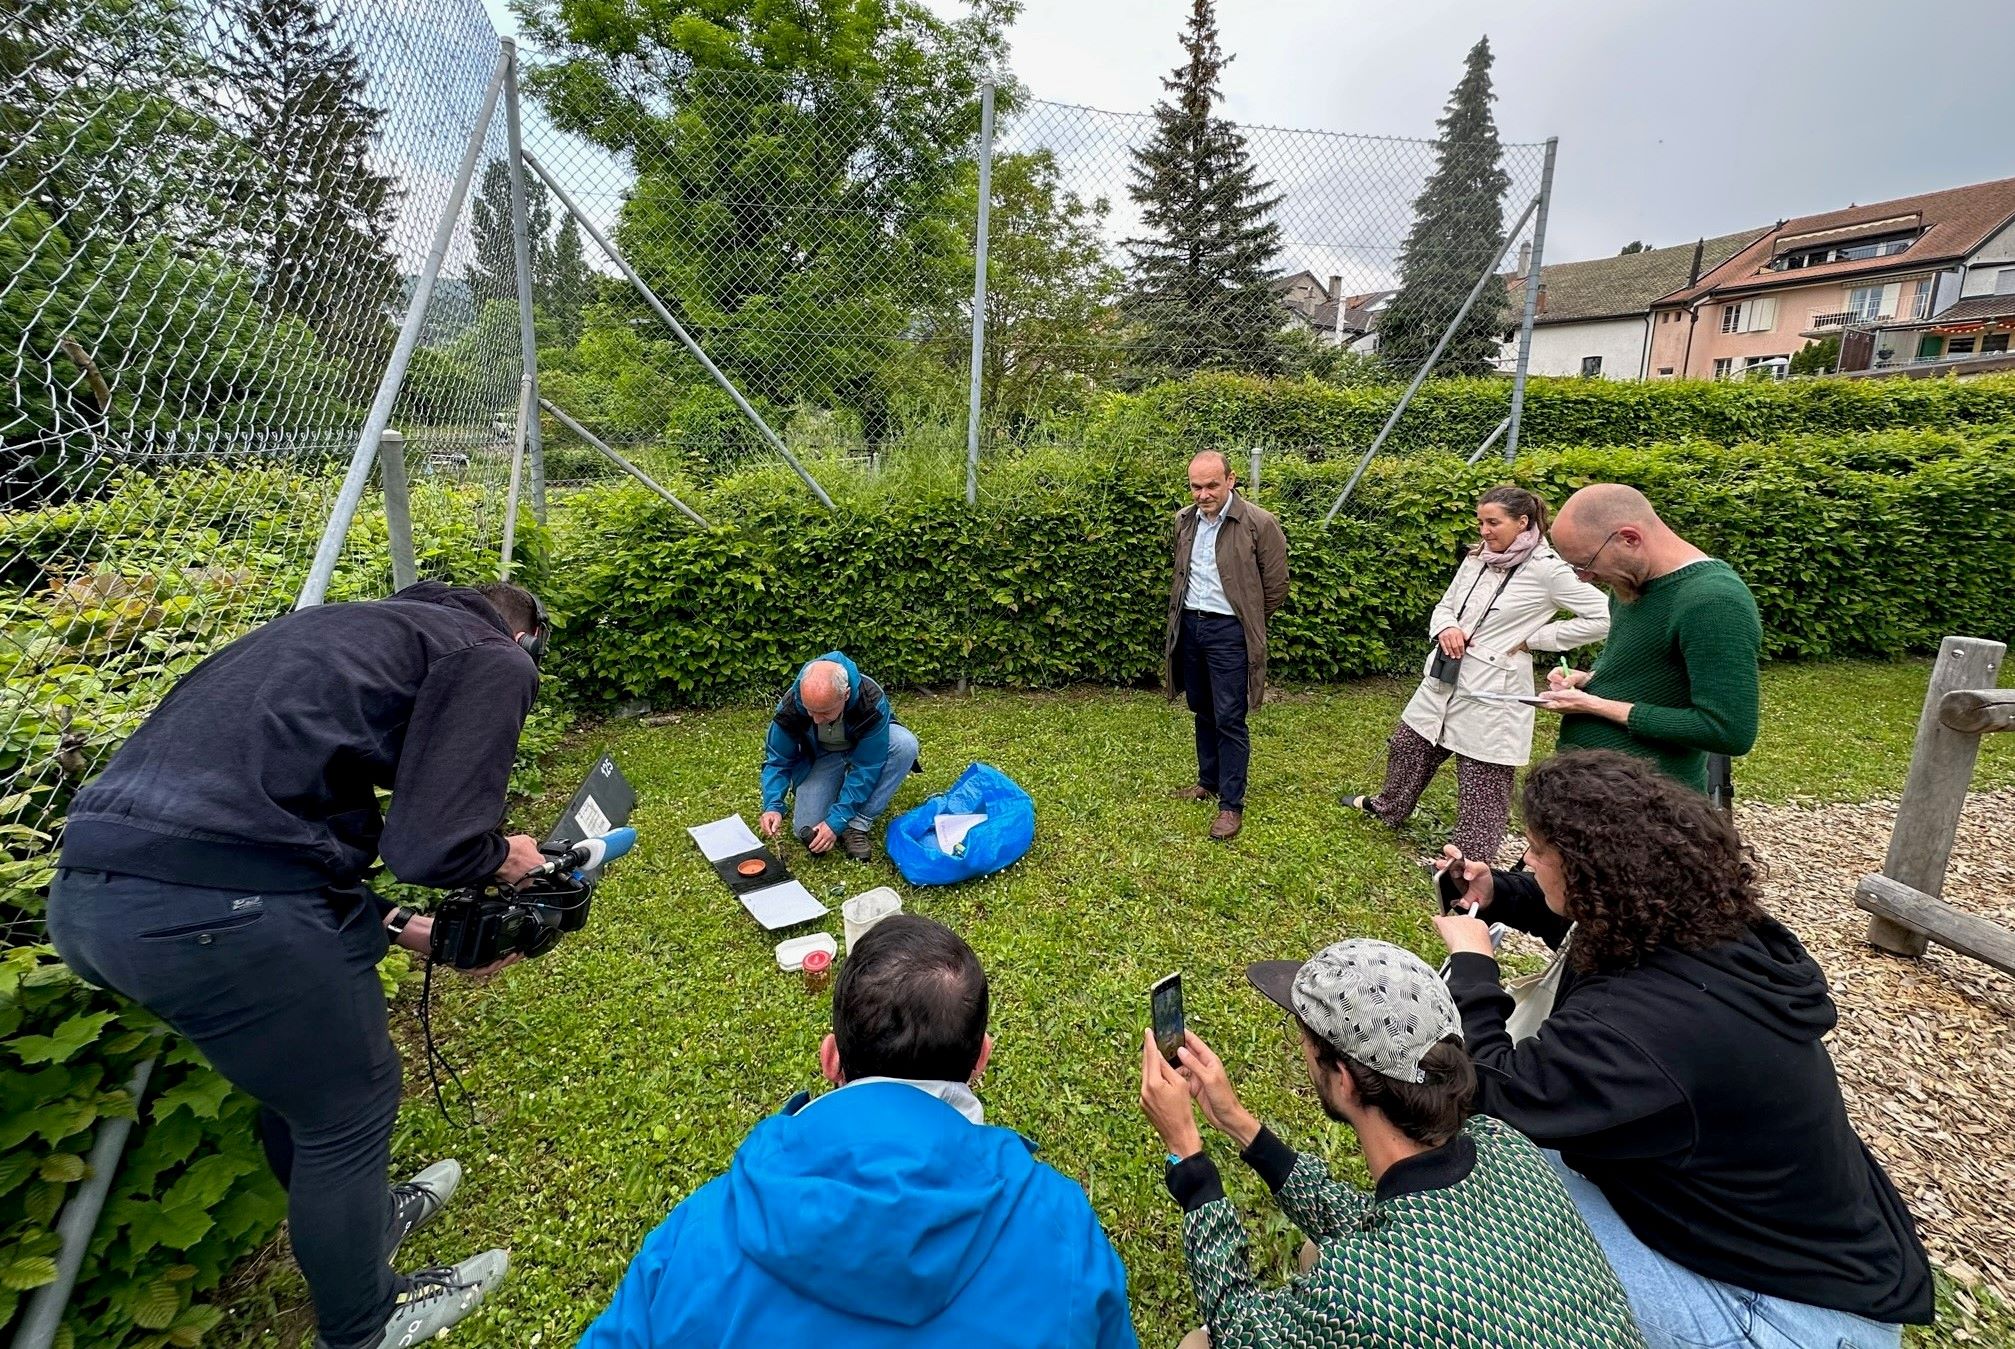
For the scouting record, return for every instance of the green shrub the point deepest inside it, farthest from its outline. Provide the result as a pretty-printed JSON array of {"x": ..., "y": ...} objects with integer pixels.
[
  {"x": 1236, "y": 411},
  {"x": 1877, "y": 543}
]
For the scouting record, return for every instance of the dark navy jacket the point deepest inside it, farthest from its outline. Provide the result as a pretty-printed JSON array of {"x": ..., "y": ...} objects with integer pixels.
[{"x": 260, "y": 769}]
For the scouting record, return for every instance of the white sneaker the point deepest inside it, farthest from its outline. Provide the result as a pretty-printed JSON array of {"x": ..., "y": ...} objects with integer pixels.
[{"x": 438, "y": 1298}]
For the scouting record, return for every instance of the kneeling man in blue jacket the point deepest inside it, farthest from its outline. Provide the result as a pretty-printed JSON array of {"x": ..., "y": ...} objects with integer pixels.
[
  {"x": 834, "y": 744},
  {"x": 887, "y": 1212}
]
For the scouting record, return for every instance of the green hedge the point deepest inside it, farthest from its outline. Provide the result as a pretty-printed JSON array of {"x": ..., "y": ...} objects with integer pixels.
[
  {"x": 1238, "y": 411},
  {"x": 1870, "y": 544}
]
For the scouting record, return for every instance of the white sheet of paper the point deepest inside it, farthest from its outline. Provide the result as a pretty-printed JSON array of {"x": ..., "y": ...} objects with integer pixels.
[
  {"x": 1529, "y": 699},
  {"x": 724, "y": 838},
  {"x": 776, "y": 906},
  {"x": 952, "y": 830}
]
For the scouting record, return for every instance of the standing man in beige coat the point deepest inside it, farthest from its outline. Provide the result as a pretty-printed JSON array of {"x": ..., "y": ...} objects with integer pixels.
[{"x": 1230, "y": 578}]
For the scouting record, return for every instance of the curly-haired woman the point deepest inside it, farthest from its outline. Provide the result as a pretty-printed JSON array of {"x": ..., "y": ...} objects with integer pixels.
[
  {"x": 1680, "y": 1072},
  {"x": 1503, "y": 604}
]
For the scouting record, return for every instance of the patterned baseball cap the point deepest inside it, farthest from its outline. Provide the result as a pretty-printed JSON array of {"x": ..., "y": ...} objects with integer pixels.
[{"x": 1369, "y": 1000}]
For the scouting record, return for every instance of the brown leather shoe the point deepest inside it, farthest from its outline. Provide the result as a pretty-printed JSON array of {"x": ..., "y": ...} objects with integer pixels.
[
  {"x": 1194, "y": 794},
  {"x": 1225, "y": 827}
]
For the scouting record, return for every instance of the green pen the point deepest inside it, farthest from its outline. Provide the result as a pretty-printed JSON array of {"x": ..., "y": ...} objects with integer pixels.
[{"x": 1565, "y": 669}]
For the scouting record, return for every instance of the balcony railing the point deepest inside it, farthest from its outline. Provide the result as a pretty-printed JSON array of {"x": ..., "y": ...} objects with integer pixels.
[{"x": 1850, "y": 316}]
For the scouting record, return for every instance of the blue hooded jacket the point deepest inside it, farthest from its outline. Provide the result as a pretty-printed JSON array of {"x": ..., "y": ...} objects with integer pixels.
[
  {"x": 792, "y": 743},
  {"x": 877, "y": 1216}
]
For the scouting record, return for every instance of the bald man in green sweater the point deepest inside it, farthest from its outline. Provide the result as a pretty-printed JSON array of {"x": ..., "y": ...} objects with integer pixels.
[{"x": 1677, "y": 680}]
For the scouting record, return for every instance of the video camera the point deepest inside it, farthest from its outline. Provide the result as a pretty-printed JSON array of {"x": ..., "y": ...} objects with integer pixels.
[{"x": 483, "y": 924}]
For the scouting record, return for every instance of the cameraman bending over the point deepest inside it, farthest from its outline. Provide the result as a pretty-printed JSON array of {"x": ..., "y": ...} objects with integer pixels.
[{"x": 214, "y": 874}]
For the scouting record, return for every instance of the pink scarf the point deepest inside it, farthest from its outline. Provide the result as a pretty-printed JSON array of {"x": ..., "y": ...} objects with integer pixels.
[{"x": 1521, "y": 548}]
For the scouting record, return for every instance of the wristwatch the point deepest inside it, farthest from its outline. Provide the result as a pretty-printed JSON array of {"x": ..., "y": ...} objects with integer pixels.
[{"x": 399, "y": 917}]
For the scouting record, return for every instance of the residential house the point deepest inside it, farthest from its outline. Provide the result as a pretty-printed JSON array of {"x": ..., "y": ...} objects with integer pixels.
[
  {"x": 1846, "y": 273},
  {"x": 1302, "y": 293},
  {"x": 1973, "y": 327},
  {"x": 1594, "y": 318},
  {"x": 1314, "y": 306}
]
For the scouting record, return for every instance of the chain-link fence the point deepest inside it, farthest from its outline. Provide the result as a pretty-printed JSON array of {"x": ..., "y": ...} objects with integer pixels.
[
  {"x": 212, "y": 221},
  {"x": 819, "y": 241}
]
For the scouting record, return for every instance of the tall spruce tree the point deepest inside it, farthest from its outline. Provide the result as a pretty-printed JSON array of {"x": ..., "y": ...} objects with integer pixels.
[
  {"x": 566, "y": 285},
  {"x": 1458, "y": 231},
  {"x": 320, "y": 215},
  {"x": 1202, "y": 278},
  {"x": 493, "y": 271}
]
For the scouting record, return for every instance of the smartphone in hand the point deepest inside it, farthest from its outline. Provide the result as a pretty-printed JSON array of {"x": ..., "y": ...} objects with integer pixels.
[
  {"x": 1451, "y": 887},
  {"x": 1165, "y": 1008}
]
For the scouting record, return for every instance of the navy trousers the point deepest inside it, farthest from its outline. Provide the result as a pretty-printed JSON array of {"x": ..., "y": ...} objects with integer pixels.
[
  {"x": 1211, "y": 648},
  {"x": 281, "y": 993}
]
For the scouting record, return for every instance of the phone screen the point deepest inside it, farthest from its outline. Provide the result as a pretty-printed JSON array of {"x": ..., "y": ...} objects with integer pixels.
[
  {"x": 1452, "y": 884},
  {"x": 1167, "y": 1008}
]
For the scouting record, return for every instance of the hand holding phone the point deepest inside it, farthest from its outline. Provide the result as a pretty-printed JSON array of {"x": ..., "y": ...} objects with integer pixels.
[
  {"x": 1165, "y": 1009},
  {"x": 1459, "y": 892}
]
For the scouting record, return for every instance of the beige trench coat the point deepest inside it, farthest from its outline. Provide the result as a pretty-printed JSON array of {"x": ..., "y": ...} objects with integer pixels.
[{"x": 1526, "y": 614}]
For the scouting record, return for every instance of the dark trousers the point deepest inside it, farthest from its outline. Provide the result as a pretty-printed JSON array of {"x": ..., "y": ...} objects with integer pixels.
[
  {"x": 1211, "y": 648},
  {"x": 281, "y": 993}
]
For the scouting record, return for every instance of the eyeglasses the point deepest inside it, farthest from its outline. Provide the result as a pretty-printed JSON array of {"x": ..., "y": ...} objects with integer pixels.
[{"x": 1585, "y": 570}]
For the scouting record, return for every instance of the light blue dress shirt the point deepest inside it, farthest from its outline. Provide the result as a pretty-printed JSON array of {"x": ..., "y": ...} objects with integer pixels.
[{"x": 1206, "y": 587}]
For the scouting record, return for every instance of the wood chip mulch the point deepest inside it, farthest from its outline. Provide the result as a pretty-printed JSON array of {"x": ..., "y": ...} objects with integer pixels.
[{"x": 1925, "y": 1048}]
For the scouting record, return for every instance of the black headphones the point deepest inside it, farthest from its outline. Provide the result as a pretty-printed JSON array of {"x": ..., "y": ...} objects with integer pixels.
[{"x": 534, "y": 642}]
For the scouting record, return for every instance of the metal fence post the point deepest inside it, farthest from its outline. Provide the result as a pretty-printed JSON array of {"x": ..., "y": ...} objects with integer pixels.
[
  {"x": 646, "y": 479},
  {"x": 398, "y": 508},
  {"x": 678, "y": 329},
  {"x": 1427, "y": 366},
  {"x": 345, "y": 508},
  {"x": 1503, "y": 424},
  {"x": 527, "y": 413},
  {"x": 521, "y": 250},
  {"x": 1531, "y": 301},
  {"x": 44, "y": 1314},
  {"x": 986, "y": 175}
]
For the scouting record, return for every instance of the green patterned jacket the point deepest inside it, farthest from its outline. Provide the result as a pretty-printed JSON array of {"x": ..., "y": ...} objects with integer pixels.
[{"x": 1474, "y": 1245}]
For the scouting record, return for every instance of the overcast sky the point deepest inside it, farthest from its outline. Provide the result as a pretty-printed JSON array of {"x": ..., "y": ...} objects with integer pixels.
[{"x": 1675, "y": 120}]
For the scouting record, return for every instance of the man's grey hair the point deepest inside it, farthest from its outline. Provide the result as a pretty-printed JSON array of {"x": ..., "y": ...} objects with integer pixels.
[{"x": 825, "y": 681}]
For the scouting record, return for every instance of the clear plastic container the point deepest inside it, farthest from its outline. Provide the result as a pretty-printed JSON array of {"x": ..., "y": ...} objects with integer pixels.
[{"x": 866, "y": 909}]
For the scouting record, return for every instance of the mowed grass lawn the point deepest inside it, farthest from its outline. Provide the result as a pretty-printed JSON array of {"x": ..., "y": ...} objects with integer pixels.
[{"x": 619, "y": 1073}]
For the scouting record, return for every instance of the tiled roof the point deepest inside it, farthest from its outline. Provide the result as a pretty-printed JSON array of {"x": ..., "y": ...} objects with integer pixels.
[
  {"x": 1974, "y": 309},
  {"x": 1956, "y": 221},
  {"x": 1623, "y": 285}
]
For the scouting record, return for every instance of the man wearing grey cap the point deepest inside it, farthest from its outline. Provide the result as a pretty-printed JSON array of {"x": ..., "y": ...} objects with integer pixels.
[{"x": 1468, "y": 1238}]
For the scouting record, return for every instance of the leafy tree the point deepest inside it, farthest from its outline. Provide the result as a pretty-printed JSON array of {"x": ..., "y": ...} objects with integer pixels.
[
  {"x": 1457, "y": 233},
  {"x": 493, "y": 271},
  {"x": 1634, "y": 246},
  {"x": 320, "y": 213},
  {"x": 793, "y": 161},
  {"x": 1202, "y": 275},
  {"x": 1052, "y": 329}
]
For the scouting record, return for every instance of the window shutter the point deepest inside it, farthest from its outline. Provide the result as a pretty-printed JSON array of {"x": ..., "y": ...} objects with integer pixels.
[
  {"x": 2004, "y": 281},
  {"x": 1761, "y": 315},
  {"x": 1892, "y": 295}
]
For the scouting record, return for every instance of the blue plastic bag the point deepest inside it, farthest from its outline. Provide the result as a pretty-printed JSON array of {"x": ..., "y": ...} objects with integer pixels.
[{"x": 998, "y": 841}]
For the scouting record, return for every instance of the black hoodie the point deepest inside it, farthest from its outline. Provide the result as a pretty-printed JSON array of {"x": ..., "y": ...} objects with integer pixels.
[
  {"x": 1694, "y": 1089},
  {"x": 259, "y": 770}
]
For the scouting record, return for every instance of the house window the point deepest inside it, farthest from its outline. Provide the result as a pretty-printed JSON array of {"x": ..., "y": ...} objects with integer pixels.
[
  {"x": 1664, "y": 369},
  {"x": 2004, "y": 281},
  {"x": 1925, "y": 290},
  {"x": 1591, "y": 365},
  {"x": 1959, "y": 346},
  {"x": 1994, "y": 342},
  {"x": 1886, "y": 247},
  {"x": 1750, "y": 316},
  {"x": 1771, "y": 367},
  {"x": 1930, "y": 347},
  {"x": 1865, "y": 302},
  {"x": 1731, "y": 318},
  {"x": 1723, "y": 366}
]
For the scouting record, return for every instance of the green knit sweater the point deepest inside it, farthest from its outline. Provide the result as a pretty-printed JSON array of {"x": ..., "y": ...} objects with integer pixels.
[{"x": 1684, "y": 655}]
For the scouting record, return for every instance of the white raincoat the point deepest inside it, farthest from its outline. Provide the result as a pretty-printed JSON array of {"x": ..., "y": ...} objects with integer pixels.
[{"x": 1527, "y": 612}]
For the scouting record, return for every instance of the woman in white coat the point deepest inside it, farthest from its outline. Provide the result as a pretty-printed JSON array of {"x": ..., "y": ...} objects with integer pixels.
[{"x": 1503, "y": 605}]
